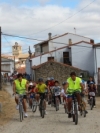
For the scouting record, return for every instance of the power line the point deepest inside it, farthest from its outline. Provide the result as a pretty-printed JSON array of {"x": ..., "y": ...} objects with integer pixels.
[
  {"x": 65, "y": 19},
  {"x": 21, "y": 37}
]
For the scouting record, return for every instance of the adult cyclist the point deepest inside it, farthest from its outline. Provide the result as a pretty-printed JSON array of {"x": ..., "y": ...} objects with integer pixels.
[
  {"x": 41, "y": 88},
  {"x": 20, "y": 86},
  {"x": 74, "y": 85}
]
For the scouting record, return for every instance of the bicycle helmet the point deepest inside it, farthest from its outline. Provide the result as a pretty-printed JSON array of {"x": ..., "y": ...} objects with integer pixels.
[
  {"x": 40, "y": 80},
  {"x": 52, "y": 78}
]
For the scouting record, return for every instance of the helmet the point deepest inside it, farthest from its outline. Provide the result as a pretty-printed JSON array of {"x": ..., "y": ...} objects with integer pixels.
[
  {"x": 64, "y": 83},
  {"x": 52, "y": 78},
  {"x": 40, "y": 80},
  {"x": 48, "y": 78}
]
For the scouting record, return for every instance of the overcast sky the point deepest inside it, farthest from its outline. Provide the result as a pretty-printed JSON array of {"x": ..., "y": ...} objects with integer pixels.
[{"x": 31, "y": 17}]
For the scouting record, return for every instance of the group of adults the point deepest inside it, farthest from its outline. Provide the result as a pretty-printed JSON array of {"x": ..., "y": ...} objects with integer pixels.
[{"x": 73, "y": 84}]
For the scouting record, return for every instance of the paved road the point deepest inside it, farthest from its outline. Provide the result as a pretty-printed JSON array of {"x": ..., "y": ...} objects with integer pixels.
[{"x": 54, "y": 122}]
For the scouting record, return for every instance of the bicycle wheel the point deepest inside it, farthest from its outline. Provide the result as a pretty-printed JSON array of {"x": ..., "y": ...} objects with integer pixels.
[
  {"x": 76, "y": 114},
  {"x": 34, "y": 105},
  {"x": 57, "y": 103},
  {"x": 21, "y": 112},
  {"x": 43, "y": 110},
  {"x": 91, "y": 103},
  {"x": 66, "y": 109}
]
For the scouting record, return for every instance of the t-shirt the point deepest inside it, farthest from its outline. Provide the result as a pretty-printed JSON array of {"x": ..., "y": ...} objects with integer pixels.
[
  {"x": 50, "y": 83},
  {"x": 41, "y": 88}
]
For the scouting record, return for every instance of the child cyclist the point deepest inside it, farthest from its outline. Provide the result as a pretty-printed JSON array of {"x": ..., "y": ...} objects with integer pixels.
[
  {"x": 92, "y": 92},
  {"x": 55, "y": 89},
  {"x": 31, "y": 90}
]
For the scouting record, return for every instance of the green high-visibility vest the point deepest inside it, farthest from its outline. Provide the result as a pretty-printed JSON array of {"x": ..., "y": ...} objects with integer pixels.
[
  {"x": 20, "y": 86},
  {"x": 74, "y": 85}
]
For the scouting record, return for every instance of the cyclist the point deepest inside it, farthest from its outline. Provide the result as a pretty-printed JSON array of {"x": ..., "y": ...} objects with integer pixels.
[
  {"x": 20, "y": 86},
  {"x": 92, "y": 91},
  {"x": 74, "y": 85},
  {"x": 88, "y": 84},
  {"x": 51, "y": 84},
  {"x": 57, "y": 88},
  {"x": 31, "y": 90},
  {"x": 41, "y": 87}
]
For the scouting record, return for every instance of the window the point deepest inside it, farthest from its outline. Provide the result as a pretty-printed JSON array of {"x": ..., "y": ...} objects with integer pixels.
[{"x": 66, "y": 58}]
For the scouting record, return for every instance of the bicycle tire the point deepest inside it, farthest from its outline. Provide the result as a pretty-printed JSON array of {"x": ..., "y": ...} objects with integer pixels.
[
  {"x": 34, "y": 106},
  {"x": 57, "y": 103},
  {"x": 91, "y": 103},
  {"x": 43, "y": 110},
  {"x": 76, "y": 114},
  {"x": 21, "y": 113}
]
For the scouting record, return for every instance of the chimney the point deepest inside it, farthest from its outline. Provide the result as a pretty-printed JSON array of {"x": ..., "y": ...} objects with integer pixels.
[{"x": 49, "y": 35}]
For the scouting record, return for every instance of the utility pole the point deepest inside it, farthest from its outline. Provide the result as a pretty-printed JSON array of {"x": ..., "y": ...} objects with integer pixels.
[
  {"x": 0, "y": 62},
  {"x": 30, "y": 55}
]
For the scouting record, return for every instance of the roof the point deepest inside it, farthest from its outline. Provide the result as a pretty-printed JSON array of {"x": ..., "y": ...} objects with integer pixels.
[
  {"x": 58, "y": 37},
  {"x": 97, "y": 45},
  {"x": 38, "y": 66},
  {"x": 68, "y": 46}
]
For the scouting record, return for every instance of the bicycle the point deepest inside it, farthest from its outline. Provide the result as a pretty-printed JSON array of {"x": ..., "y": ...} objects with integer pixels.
[
  {"x": 21, "y": 111},
  {"x": 75, "y": 109},
  {"x": 41, "y": 106},
  {"x": 34, "y": 103},
  {"x": 82, "y": 109},
  {"x": 91, "y": 102}
]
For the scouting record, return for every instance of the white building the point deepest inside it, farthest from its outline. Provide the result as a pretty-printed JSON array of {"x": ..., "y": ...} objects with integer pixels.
[
  {"x": 68, "y": 48},
  {"x": 97, "y": 63},
  {"x": 7, "y": 65}
]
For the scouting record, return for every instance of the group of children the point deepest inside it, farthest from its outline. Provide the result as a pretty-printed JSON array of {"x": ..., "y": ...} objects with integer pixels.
[{"x": 51, "y": 83}]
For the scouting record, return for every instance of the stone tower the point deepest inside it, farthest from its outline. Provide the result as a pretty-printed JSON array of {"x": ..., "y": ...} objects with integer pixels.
[{"x": 16, "y": 49}]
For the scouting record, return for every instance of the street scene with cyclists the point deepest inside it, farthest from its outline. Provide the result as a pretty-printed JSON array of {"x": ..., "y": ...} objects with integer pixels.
[{"x": 50, "y": 66}]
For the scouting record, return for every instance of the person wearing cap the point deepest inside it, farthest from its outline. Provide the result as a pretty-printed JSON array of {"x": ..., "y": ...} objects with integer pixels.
[
  {"x": 20, "y": 86},
  {"x": 41, "y": 88},
  {"x": 92, "y": 92}
]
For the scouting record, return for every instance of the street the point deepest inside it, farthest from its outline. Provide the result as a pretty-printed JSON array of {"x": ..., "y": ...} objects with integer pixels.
[{"x": 54, "y": 122}]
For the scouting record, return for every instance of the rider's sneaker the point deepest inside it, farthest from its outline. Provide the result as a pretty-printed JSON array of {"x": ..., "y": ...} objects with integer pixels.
[
  {"x": 69, "y": 115},
  {"x": 94, "y": 106},
  {"x": 17, "y": 107},
  {"x": 45, "y": 112},
  {"x": 25, "y": 115}
]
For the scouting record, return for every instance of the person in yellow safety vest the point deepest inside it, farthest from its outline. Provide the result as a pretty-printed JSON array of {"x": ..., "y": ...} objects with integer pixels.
[
  {"x": 74, "y": 85},
  {"x": 20, "y": 86}
]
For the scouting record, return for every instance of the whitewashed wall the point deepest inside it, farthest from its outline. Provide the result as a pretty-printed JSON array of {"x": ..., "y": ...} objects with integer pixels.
[
  {"x": 65, "y": 39},
  {"x": 83, "y": 57}
]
